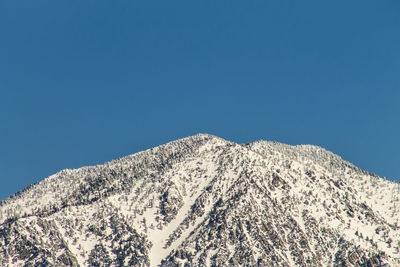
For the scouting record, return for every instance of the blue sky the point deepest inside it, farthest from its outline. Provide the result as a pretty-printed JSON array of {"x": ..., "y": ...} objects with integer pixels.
[{"x": 84, "y": 82}]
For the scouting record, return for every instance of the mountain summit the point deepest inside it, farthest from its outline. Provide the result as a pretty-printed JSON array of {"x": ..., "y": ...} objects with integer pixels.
[{"x": 205, "y": 201}]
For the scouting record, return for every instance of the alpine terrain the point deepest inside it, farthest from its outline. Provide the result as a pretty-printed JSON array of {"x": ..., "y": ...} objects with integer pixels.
[{"x": 205, "y": 201}]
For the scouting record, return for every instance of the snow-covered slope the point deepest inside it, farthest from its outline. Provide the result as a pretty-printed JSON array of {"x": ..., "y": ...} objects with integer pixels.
[{"x": 205, "y": 201}]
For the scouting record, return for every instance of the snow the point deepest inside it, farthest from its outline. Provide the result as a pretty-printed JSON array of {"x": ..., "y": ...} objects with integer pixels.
[
  {"x": 159, "y": 237},
  {"x": 313, "y": 185}
]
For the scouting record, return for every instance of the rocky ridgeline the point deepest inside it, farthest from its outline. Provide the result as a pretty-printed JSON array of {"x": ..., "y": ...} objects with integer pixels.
[{"x": 205, "y": 201}]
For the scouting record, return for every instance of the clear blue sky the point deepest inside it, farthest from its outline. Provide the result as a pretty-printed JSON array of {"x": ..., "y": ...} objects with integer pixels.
[{"x": 84, "y": 82}]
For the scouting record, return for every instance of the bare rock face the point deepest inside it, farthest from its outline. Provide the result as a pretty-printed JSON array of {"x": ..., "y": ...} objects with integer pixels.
[{"x": 205, "y": 201}]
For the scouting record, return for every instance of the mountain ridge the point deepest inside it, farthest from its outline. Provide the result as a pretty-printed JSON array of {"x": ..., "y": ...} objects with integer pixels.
[{"x": 203, "y": 201}]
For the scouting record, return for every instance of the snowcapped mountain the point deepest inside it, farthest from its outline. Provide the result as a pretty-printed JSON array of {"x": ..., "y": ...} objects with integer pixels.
[{"x": 205, "y": 201}]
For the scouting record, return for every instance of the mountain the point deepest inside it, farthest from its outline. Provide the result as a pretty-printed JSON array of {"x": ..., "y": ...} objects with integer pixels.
[{"x": 205, "y": 201}]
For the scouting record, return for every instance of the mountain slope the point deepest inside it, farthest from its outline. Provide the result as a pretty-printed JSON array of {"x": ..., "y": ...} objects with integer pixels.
[{"x": 206, "y": 201}]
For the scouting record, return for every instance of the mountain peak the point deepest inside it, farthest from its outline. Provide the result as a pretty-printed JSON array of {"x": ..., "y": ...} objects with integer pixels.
[{"x": 205, "y": 201}]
